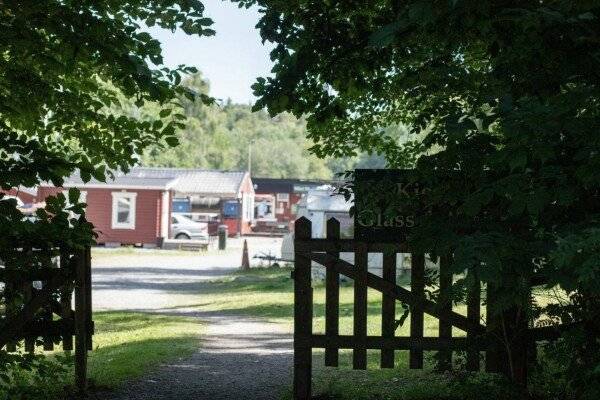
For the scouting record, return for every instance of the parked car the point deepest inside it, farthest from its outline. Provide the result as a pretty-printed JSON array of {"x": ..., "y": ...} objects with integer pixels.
[
  {"x": 211, "y": 219},
  {"x": 184, "y": 228}
]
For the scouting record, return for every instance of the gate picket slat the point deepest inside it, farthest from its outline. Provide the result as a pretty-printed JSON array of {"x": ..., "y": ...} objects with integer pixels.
[
  {"x": 361, "y": 260},
  {"x": 46, "y": 315},
  {"x": 473, "y": 314},
  {"x": 302, "y": 316},
  {"x": 27, "y": 293},
  {"x": 65, "y": 303},
  {"x": 9, "y": 293},
  {"x": 493, "y": 354},
  {"x": 88, "y": 296},
  {"x": 417, "y": 285},
  {"x": 332, "y": 298},
  {"x": 445, "y": 299},
  {"x": 388, "y": 309},
  {"x": 81, "y": 323}
]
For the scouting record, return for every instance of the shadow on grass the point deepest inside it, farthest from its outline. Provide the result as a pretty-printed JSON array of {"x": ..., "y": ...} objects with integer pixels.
[
  {"x": 124, "y": 321},
  {"x": 269, "y": 310}
]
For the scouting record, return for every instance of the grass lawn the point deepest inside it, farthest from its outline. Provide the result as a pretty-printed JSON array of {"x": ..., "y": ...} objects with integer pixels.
[{"x": 127, "y": 344}]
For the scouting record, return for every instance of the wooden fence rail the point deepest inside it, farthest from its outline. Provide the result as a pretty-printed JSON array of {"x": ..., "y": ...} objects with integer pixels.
[
  {"x": 38, "y": 299},
  {"x": 477, "y": 338}
]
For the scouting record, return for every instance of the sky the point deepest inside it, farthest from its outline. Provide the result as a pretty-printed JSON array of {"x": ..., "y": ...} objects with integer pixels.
[{"x": 231, "y": 60}]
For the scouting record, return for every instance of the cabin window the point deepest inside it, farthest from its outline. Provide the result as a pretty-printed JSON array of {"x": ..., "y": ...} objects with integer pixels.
[
  {"x": 285, "y": 197},
  {"x": 248, "y": 207},
  {"x": 123, "y": 210}
]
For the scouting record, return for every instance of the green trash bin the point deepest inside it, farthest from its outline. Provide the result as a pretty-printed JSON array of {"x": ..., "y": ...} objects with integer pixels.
[{"x": 222, "y": 232}]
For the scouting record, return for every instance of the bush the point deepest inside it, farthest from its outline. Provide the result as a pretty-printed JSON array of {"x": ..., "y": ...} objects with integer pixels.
[{"x": 32, "y": 377}]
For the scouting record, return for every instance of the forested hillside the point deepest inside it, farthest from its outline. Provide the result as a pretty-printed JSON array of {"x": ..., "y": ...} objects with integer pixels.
[{"x": 223, "y": 136}]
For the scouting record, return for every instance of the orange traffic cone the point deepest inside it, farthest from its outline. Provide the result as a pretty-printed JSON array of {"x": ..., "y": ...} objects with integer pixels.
[{"x": 245, "y": 259}]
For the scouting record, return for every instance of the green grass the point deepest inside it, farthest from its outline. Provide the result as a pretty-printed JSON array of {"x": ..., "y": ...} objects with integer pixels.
[
  {"x": 128, "y": 345},
  {"x": 404, "y": 384}
]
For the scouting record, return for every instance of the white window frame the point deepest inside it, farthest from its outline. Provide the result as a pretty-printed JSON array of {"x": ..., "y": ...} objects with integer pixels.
[
  {"x": 115, "y": 221},
  {"x": 248, "y": 206},
  {"x": 285, "y": 197}
]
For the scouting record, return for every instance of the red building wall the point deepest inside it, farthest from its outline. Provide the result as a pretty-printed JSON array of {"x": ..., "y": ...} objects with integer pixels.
[
  {"x": 287, "y": 207},
  {"x": 45, "y": 191},
  {"x": 232, "y": 226},
  {"x": 287, "y": 215},
  {"x": 99, "y": 213},
  {"x": 243, "y": 225},
  {"x": 246, "y": 187}
]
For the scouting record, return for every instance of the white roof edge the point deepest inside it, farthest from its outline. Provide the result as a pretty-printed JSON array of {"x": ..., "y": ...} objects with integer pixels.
[
  {"x": 239, "y": 189},
  {"x": 114, "y": 186},
  {"x": 29, "y": 190},
  {"x": 206, "y": 194},
  {"x": 172, "y": 183}
]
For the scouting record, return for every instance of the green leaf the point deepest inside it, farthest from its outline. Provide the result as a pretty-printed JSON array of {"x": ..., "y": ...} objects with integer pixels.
[
  {"x": 172, "y": 141},
  {"x": 386, "y": 35},
  {"x": 74, "y": 195}
]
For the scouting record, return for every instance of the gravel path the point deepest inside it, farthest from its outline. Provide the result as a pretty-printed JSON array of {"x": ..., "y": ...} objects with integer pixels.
[
  {"x": 149, "y": 280},
  {"x": 240, "y": 357}
]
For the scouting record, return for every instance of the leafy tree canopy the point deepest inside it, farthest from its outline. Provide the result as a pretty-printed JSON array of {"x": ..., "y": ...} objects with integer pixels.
[
  {"x": 58, "y": 59},
  {"x": 507, "y": 93},
  {"x": 64, "y": 65}
]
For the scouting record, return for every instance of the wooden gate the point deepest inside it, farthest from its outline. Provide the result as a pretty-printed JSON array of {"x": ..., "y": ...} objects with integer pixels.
[
  {"x": 326, "y": 252},
  {"x": 38, "y": 304}
]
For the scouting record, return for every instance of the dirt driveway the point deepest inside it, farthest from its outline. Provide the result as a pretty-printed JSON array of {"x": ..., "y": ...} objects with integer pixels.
[
  {"x": 144, "y": 279},
  {"x": 240, "y": 357}
]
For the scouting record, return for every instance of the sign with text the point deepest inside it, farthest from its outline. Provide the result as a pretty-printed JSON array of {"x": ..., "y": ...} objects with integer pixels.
[{"x": 386, "y": 204}]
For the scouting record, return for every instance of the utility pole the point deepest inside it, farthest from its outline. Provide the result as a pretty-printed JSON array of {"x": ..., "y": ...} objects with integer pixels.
[{"x": 250, "y": 159}]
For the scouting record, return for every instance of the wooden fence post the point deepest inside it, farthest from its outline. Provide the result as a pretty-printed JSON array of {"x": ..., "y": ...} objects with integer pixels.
[
  {"x": 445, "y": 299},
  {"x": 302, "y": 314},
  {"x": 388, "y": 309},
  {"x": 81, "y": 322},
  {"x": 493, "y": 354},
  {"x": 332, "y": 298},
  {"x": 417, "y": 286},
  {"x": 507, "y": 352},
  {"x": 473, "y": 315},
  {"x": 10, "y": 309},
  {"x": 47, "y": 316},
  {"x": 27, "y": 294},
  {"x": 361, "y": 261},
  {"x": 65, "y": 302},
  {"x": 88, "y": 296}
]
